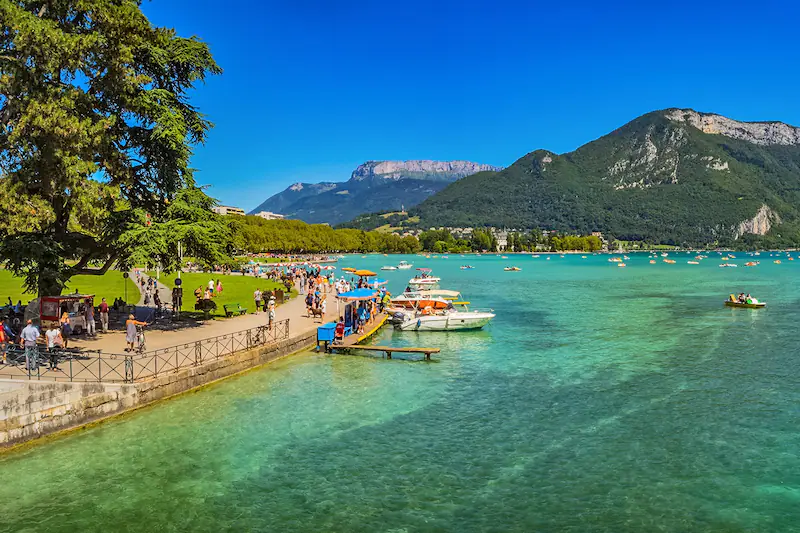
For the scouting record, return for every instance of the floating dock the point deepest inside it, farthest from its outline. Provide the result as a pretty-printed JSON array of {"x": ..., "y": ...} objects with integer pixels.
[{"x": 353, "y": 341}]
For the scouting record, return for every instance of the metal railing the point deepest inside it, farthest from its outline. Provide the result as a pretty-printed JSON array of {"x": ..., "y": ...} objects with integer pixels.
[{"x": 96, "y": 366}]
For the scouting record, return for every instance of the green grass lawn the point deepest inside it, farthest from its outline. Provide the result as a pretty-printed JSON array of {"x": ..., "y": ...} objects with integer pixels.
[
  {"x": 235, "y": 289},
  {"x": 110, "y": 285}
]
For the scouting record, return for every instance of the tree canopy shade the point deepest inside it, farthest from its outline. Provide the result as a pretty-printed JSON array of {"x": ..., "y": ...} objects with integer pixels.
[{"x": 96, "y": 132}]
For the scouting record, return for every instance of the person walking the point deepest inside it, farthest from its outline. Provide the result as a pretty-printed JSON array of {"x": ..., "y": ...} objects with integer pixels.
[
  {"x": 257, "y": 298},
  {"x": 29, "y": 336},
  {"x": 219, "y": 287},
  {"x": 54, "y": 342},
  {"x": 3, "y": 342},
  {"x": 91, "y": 328},
  {"x": 104, "y": 315},
  {"x": 66, "y": 327},
  {"x": 130, "y": 331},
  {"x": 271, "y": 310}
]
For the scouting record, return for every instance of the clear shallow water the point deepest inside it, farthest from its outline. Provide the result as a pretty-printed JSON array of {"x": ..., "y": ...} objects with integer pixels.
[{"x": 600, "y": 399}]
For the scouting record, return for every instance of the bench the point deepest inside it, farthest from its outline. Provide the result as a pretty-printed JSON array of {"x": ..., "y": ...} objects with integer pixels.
[{"x": 232, "y": 309}]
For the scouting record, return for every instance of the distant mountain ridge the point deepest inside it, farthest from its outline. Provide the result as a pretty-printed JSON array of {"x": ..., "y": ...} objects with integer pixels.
[
  {"x": 675, "y": 176},
  {"x": 373, "y": 186}
]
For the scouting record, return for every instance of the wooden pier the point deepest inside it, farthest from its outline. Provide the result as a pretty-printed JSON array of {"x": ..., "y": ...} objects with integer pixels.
[
  {"x": 353, "y": 342},
  {"x": 390, "y": 349}
]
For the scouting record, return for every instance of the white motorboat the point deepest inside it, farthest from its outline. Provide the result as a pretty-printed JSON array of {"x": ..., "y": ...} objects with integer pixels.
[
  {"x": 424, "y": 280},
  {"x": 389, "y": 267},
  {"x": 434, "y": 310},
  {"x": 403, "y": 265}
]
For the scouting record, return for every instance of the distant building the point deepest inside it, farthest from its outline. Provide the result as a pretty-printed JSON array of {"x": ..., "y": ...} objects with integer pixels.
[
  {"x": 269, "y": 215},
  {"x": 227, "y": 210}
]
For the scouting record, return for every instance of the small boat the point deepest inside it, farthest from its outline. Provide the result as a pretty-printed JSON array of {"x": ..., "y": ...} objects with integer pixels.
[
  {"x": 621, "y": 264},
  {"x": 692, "y": 263},
  {"x": 445, "y": 257},
  {"x": 388, "y": 267},
  {"x": 751, "y": 263},
  {"x": 669, "y": 261},
  {"x": 615, "y": 260},
  {"x": 583, "y": 257},
  {"x": 652, "y": 261},
  {"x": 625, "y": 257},
  {"x": 726, "y": 258},
  {"x": 467, "y": 267},
  {"x": 450, "y": 319},
  {"x": 777, "y": 261},
  {"x": 728, "y": 265},
  {"x": 535, "y": 256},
  {"x": 403, "y": 265},
  {"x": 512, "y": 269},
  {"x": 504, "y": 257},
  {"x": 424, "y": 280},
  {"x": 744, "y": 305}
]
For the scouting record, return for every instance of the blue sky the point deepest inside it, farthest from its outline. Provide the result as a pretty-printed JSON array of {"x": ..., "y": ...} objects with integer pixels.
[{"x": 311, "y": 89}]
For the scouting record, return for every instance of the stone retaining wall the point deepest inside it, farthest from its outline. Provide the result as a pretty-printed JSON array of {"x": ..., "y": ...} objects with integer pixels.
[{"x": 32, "y": 409}]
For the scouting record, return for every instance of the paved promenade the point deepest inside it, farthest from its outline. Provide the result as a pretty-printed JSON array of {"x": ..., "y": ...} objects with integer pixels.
[{"x": 181, "y": 336}]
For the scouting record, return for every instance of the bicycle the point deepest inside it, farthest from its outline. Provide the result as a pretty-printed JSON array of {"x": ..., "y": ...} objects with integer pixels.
[{"x": 140, "y": 339}]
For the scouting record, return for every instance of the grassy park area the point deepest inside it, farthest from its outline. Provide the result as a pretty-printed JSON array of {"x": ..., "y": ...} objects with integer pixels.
[
  {"x": 235, "y": 289},
  {"x": 110, "y": 285}
]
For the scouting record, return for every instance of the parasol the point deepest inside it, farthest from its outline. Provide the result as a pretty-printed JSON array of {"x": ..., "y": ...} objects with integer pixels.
[{"x": 364, "y": 273}]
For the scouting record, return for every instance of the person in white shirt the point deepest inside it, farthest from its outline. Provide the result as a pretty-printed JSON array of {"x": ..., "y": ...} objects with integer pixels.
[
  {"x": 54, "y": 341},
  {"x": 211, "y": 285},
  {"x": 257, "y": 297}
]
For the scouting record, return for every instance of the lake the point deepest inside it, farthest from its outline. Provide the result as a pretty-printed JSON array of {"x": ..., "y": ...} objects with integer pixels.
[{"x": 599, "y": 399}]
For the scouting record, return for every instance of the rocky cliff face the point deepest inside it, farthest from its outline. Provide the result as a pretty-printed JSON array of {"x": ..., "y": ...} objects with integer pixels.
[
  {"x": 762, "y": 133},
  {"x": 760, "y": 224},
  {"x": 395, "y": 170}
]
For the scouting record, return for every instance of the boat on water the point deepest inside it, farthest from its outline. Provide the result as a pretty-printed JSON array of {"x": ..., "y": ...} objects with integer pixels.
[
  {"x": 512, "y": 269},
  {"x": 404, "y": 265},
  {"x": 424, "y": 280},
  {"x": 777, "y": 261},
  {"x": 535, "y": 256},
  {"x": 388, "y": 267},
  {"x": 728, "y": 265},
  {"x": 749, "y": 303},
  {"x": 449, "y": 319},
  {"x": 669, "y": 261},
  {"x": 652, "y": 261},
  {"x": 615, "y": 260},
  {"x": 692, "y": 263},
  {"x": 504, "y": 257},
  {"x": 467, "y": 267},
  {"x": 751, "y": 263},
  {"x": 621, "y": 265}
]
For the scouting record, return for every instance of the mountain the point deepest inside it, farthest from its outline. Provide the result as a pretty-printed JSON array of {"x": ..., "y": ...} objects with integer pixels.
[
  {"x": 373, "y": 186},
  {"x": 671, "y": 176}
]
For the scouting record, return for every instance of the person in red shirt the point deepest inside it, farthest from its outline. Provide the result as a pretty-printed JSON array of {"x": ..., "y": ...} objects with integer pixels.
[
  {"x": 338, "y": 334},
  {"x": 104, "y": 315}
]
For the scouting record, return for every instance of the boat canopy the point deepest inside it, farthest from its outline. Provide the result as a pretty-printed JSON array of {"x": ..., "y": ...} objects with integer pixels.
[
  {"x": 364, "y": 273},
  {"x": 437, "y": 292},
  {"x": 358, "y": 295}
]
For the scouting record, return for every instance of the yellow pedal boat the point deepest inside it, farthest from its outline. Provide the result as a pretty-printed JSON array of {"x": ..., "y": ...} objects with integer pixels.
[{"x": 758, "y": 305}]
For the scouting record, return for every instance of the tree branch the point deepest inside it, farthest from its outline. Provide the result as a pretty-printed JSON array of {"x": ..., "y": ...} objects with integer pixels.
[{"x": 94, "y": 271}]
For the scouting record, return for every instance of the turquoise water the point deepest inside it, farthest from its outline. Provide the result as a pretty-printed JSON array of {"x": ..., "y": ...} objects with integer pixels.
[{"x": 600, "y": 399}]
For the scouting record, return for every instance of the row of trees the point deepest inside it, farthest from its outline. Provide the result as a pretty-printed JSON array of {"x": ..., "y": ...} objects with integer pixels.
[
  {"x": 442, "y": 241},
  {"x": 256, "y": 235}
]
